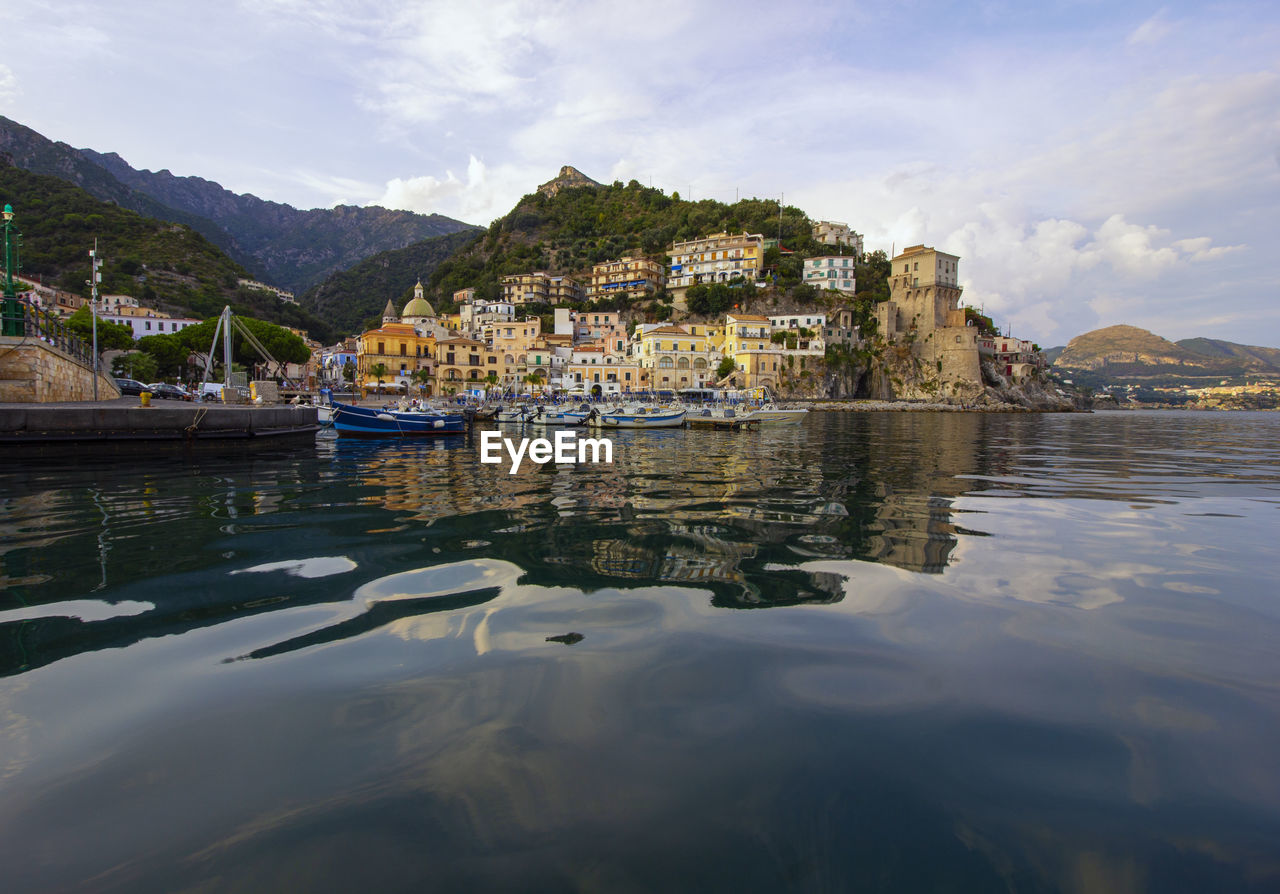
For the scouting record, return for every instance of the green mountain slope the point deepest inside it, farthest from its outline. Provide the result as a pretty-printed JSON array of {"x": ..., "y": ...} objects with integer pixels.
[
  {"x": 288, "y": 247},
  {"x": 163, "y": 265},
  {"x": 350, "y": 299},
  {"x": 277, "y": 243}
]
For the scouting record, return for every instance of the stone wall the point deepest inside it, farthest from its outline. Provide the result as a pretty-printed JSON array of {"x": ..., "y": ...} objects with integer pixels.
[{"x": 34, "y": 372}]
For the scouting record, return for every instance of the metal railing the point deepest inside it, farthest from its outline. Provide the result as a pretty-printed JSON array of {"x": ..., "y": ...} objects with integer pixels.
[{"x": 44, "y": 326}]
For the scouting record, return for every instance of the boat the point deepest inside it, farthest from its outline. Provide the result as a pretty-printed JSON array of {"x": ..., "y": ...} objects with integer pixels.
[
  {"x": 768, "y": 415},
  {"x": 324, "y": 415},
  {"x": 374, "y": 422},
  {"x": 640, "y": 417},
  {"x": 720, "y": 417},
  {"x": 554, "y": 416}
]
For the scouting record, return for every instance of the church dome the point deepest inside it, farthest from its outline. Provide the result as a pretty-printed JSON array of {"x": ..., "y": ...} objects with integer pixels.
[{"x": 418, "y": 307}]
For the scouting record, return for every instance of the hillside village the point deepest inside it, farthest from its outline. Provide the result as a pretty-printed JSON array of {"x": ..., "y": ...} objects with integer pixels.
[{"x": 701, "y": 312}]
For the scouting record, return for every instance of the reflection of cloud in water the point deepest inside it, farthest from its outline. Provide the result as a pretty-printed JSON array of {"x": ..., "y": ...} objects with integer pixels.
[
  {"x": 81, "y": 609},
  {"x": 319, "y": 566}
]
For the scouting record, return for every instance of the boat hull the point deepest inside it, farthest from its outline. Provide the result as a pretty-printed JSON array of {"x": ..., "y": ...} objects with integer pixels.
[
  {"x": 779, "y": 417},
  {"x": 365, "y": 422},
  {"x": 641, "y": 420}
]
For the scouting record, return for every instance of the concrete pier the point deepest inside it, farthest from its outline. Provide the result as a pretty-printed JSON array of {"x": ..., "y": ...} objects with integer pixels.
[{"x": 125, "y": 420}]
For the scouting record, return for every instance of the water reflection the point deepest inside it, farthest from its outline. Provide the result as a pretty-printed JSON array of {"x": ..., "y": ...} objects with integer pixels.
[{"x": 1026, "y": 653}]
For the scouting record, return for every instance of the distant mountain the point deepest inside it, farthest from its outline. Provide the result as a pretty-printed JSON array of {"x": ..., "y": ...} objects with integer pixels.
[
  {"x": 1127, "y": 352},
  {"x": 278, "y": 243},
  {"x": 166, "y": 266},
  {"x": 1212, "y": 347},
  {"x": 353, "y": 297}
]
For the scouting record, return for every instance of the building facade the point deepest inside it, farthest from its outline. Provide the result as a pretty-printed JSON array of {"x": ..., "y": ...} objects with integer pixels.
[
  {"x": 634, "y": 278},
  {"x": 830, "y": 232},
  {"x": 541, "y": 288},
  {"x": 715, "y": 258},
  {"x": 923, "y": 311},
  {"x": 831, "y": 272}
]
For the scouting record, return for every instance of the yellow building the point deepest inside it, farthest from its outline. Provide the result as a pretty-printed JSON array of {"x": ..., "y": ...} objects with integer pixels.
[
  {"x": 715, "y": 258},
  {"x": 464, "y": 364},
  {"x": 399, "y": 348},
  {"x": 541, "y": 288},
  {"x": 631, "y": 277},
  {"x": 676, "y": 357},
  {"x": 748, "y": 340}
]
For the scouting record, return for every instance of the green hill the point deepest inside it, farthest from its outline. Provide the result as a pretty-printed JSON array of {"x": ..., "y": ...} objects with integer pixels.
[
  {"x": 164, "y": 265},
  {"x": 353, "y": 298},
  {"x": 278, "y": 243}
]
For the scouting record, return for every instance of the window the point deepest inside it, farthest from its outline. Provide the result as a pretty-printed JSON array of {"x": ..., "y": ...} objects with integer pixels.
[
  {"x": 404, "y": 349},
  {"x": 382, "y": 348}
]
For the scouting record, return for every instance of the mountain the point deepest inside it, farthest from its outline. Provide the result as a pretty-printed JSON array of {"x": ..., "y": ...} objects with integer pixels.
[
  {"x": 1212, "y": 347},
  {"x": 1133, "y": 354},
  {"x": 568, "y": 178},
  {"x": 278, "y": 243},
  {"x": 351, "y": 298},
  {"x": 167, "y": 266}
]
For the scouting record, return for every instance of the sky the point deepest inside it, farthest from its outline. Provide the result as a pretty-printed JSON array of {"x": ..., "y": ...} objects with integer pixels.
[{"x": 1092, "y": 163}]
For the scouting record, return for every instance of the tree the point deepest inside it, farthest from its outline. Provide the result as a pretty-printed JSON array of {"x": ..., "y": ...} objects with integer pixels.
[
  {"x": 111, "y": 336},
  {"x": 349, "y": 372},
  {"x": 727, "y": 366},
  {"x": 135, "y": 365},
  {"x": 168, "y": 352},
  {"x": 379, "y": 372},
  {"x": 422, "y": 377}
]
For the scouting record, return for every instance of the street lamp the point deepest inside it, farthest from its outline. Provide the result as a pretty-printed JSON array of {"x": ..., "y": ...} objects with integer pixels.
[{"x": 12, "y": 312}]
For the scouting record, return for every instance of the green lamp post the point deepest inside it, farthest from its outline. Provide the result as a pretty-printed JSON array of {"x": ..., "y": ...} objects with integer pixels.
[{"x": 12, "y": 311}]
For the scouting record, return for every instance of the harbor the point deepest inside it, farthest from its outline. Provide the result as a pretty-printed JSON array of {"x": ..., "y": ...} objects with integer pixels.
[{"x": 127, "y": 420}]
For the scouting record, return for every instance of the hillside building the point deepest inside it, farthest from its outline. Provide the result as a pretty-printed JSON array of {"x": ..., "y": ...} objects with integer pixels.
[
  {"x": 711, "y": 259},
  {"x": 830, "y": 232},
  {"x": 831, "y": 272},
  {"x": 541, "y": 288},
  {"x": 634, "y": 278}
]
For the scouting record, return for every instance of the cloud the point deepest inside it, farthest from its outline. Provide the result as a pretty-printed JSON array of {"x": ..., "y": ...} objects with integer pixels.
[
  {"x": 1153, "y": 30},
  {"x": 8, "y": 83}
]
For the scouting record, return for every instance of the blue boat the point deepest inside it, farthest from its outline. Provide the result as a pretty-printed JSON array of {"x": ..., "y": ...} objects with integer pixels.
[{"x": 373, "y": 422}]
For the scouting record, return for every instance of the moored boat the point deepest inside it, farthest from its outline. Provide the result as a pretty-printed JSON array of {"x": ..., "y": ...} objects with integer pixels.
[
  {"x": 373, "y": 422},
  {"x": 719, "y": 417},
  {"x": 640, "y": 417},
  {"x": 768, "y": 415}
]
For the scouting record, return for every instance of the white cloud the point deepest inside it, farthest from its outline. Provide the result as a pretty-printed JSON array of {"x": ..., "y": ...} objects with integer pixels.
[
  {"x": 8, "y": 83},
  {"x": 1153, "y": 30}
]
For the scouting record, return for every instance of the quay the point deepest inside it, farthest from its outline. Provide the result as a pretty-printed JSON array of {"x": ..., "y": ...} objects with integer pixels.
[{"x": 126, "y": 420}]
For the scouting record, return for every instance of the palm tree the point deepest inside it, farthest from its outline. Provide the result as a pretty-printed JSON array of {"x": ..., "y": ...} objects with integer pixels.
[
  {"x": 533, "y": 380},
  {"x": 423, "y": 378},
  {"x": 379, "y": 372},
  {"x": 491, "y": 378}
]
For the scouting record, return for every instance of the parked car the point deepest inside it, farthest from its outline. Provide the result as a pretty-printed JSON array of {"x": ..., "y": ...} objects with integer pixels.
[
  {"x": 168, "y": 392},
  {"x": 130, "y": 386}
]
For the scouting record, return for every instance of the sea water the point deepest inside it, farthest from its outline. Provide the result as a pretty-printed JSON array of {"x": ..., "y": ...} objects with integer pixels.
[{"x": 913, "y": 651}]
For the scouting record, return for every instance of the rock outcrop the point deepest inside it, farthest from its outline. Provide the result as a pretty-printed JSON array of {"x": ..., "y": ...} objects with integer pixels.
[{"x": 568, "y": 178}]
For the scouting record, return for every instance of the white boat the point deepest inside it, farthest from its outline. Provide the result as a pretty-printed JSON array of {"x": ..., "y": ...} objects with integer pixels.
[
  {"x": 719, "y": 417},
  {"x": 772, "y": 416},
  {"x": 641, "y": 417},
  {"x": 554, "y": 416}
]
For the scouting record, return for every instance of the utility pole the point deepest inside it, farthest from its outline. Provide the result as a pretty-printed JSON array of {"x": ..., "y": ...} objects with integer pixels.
[{"x": 95, "y": 277}]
